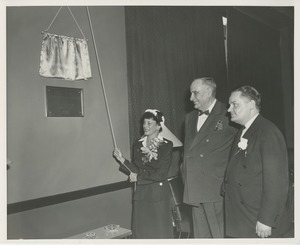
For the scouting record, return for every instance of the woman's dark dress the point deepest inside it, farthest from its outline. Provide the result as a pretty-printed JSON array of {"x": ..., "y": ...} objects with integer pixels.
[{"x": 152, "y": 217}]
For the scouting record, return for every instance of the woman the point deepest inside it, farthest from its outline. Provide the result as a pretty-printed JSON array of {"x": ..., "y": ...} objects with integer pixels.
[{"x": 152, "y": 155}]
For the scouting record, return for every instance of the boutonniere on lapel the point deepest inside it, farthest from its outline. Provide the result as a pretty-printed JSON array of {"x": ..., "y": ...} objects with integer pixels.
[
  {"x": 219, "y": 125},
  {"x": 243, "y": 144}
]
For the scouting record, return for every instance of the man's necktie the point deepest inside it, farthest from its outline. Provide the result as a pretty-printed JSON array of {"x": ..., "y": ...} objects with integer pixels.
[
  {"x": 203, "y": 112},
  {"x": 236, "y": 149},
  {"x": 201, "y": 120},
  {"x": 239, "y": 134}
]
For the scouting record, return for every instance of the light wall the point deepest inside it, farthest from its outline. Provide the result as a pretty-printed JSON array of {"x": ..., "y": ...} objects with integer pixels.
[
  {"x": 58, "y": 155},
  {"x": 66, "y": 219}
]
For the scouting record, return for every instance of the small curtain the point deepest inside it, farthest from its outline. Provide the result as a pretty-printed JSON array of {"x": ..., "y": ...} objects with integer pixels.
[{"x": 64, "y": 57}]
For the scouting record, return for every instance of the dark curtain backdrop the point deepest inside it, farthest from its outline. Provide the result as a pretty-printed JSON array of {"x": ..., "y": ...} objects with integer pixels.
[
  {"x": 254, "y": 59},
  {"x": 167, "y": 47}
]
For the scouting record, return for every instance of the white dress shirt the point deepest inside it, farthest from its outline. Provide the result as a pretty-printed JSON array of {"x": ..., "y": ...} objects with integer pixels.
[{"x": 203, "y": 117}]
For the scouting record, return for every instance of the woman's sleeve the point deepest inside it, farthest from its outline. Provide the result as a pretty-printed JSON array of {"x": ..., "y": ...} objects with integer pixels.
[
  {"x": 130, "y": 165},
  {"x": 127, "y": 164},
  {"x": 160, "y": 167}
]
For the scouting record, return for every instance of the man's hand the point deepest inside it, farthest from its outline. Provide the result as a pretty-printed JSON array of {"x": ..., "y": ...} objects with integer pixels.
[{"x": 263, "y": 231}]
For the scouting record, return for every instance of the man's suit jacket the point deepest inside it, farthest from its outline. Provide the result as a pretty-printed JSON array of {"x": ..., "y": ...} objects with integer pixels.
[
  {"x": 206, "y": 155},
  {"x": 256, "y": 182}
]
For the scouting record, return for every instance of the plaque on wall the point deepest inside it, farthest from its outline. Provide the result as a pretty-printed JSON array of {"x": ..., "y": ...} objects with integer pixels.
[{"x": 64, "y": 102}]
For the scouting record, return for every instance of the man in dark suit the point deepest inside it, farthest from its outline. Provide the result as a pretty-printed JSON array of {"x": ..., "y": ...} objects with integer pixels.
[
  {"x": 256, "y": 182},
  {"x": 208, "y": 138}
]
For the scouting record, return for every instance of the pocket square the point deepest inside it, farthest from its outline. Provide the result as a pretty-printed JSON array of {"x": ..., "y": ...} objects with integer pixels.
[{"x": 219, "y": 125}]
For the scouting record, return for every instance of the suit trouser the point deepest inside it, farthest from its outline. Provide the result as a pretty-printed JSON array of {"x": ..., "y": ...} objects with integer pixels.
[{"x": 208, "y": 220}]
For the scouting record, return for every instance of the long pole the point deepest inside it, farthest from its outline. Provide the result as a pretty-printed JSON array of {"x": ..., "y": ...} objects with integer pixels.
[
  {"x": 101, "y": 79},
  {"x": 102, "y": 83}
]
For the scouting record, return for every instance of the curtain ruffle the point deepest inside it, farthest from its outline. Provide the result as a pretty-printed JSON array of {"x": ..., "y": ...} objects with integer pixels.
[{"x": 64, "y": 57}]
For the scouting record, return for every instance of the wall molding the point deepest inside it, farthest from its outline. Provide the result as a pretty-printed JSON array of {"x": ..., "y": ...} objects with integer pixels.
[{"x": 65, "y": 197}]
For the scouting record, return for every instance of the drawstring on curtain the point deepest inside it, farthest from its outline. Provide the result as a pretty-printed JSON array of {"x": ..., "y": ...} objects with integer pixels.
[
  {"x": 73, "y": 19},
  {"x": 64, "y": 57}
]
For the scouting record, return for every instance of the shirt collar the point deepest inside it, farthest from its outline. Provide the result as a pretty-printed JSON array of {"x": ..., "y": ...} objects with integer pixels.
[
  {"x": 212, "y": 106},
  {"x": 248, "y": 124},
  {"x": 144, "y": 139}
]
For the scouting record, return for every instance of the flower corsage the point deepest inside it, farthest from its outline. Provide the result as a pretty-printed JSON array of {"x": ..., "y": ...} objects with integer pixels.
[
  {"x": 243, "y": 144},
  {"x": 151, "y": 151},
  {"x": 219, "y": 125}
]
